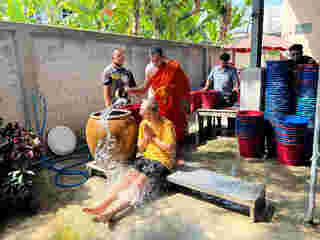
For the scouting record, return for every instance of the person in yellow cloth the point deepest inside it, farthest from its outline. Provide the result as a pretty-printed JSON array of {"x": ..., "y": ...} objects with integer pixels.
[{"x": 147, "y": 178}]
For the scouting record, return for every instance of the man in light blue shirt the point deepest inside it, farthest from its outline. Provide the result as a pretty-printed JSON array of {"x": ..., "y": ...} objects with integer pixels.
[{"x": 224, "y": 79}]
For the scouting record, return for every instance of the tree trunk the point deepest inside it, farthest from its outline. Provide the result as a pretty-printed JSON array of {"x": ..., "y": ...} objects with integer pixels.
[
  {"x": 156, "y": 27},
  {"x": 137, "y": 16},
  {"x": 172, "y": 25}
]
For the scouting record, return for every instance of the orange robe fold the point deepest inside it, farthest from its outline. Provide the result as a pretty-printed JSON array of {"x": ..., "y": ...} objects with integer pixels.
[{"x": 171, "y": 87}]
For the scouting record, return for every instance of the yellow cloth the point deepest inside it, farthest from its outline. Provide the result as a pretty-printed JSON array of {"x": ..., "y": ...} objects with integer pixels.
[{"x": 166, "y": 134}]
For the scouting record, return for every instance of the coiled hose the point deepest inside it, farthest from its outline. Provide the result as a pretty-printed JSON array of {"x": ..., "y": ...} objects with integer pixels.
[{"x": 50, "y": 162}]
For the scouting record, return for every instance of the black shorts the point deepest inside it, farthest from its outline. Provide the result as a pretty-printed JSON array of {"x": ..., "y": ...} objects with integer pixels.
[{"x": 156, "y": 173}]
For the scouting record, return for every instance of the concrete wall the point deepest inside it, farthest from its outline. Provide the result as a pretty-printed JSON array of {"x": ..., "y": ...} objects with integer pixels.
[
  {"x": 11, "y": 100},
  {"x": 298, "y": 12},
  {"x": 65, "y": 66}
]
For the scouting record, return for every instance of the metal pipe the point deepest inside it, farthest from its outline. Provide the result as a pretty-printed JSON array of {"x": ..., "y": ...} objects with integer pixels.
[
  {"x": 257, "y": 33},
  {"x": 314, "y": 166}
]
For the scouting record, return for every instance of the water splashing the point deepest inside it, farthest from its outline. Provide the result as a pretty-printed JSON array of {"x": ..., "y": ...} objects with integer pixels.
[
  {"x": 107, "y": 157},
  {"x": 108, "y": 151}
]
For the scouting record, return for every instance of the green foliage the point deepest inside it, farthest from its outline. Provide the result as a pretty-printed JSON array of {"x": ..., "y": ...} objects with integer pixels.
[
  {"x": 15, "y": 11},
  {"x": 163, "y": 19}
]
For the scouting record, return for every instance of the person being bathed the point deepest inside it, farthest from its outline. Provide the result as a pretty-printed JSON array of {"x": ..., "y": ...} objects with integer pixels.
[{"x": 147, "y": 177}]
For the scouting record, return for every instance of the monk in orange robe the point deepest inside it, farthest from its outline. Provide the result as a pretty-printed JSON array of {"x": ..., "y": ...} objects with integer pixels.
[{"x": 169, "y": 85}]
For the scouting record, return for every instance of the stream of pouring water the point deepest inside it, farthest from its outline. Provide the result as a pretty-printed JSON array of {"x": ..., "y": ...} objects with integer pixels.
[{"x": 115, "y": 170}]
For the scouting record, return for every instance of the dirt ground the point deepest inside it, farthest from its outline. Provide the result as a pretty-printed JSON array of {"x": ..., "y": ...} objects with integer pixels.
[{"x": 179, "y": 215}]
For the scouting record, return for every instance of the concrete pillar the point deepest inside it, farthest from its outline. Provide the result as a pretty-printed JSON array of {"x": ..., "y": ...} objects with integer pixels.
[{"x": 251, "y": 89}]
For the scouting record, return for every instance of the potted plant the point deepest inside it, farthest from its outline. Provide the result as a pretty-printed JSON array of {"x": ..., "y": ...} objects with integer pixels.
[{"x": 17, "y": 169}]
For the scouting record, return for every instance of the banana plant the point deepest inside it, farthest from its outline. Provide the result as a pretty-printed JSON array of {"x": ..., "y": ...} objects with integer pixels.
[
  {"x": 83, "y": 13},
  {"x": 210, "y": 20},
  {"x": 184, "y": 20}
]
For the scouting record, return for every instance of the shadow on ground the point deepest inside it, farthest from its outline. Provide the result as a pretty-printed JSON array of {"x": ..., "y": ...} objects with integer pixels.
[{"x": 182, "y": 214}]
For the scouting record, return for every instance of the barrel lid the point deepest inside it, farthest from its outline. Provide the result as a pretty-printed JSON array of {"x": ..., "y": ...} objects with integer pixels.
[
  {"x": 295, "y": 120},
  {"x": 61, "y": 140}
]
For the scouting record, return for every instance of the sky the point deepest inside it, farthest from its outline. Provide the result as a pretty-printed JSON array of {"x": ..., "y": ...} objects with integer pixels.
[{"x": 267, "y": 3}]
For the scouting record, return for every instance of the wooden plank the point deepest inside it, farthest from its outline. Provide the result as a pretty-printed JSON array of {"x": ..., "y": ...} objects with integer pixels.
[
  {"x": 218, "y": 112},
  {"x": 226, "y": 187},
  {"x": 210, "y": 182},
  {"x": 230, "y": 110}
]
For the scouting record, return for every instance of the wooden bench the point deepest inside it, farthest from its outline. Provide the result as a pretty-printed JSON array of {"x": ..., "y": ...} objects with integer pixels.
[
  {"x": 210, "y": 114},
  {"x": 229, "y": 188}
]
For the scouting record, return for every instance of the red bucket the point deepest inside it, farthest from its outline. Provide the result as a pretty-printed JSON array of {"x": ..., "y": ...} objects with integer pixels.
[
  {"x": 208, "y": 99},
  {"x": 290, "y": 154},
  {"x": 135, "y": 109},
  {"x": 195, "y": 99},
  {"x": 251, "y": 147},
  {"x": 249, "y": 113}
]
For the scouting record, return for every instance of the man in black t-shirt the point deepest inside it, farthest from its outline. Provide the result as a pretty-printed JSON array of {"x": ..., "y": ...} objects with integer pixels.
[
  {"x": 297, "y": 57},
  {"x": 116, "y": 78}
]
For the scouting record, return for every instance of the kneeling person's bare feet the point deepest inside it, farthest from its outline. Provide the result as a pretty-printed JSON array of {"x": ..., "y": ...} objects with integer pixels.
[
  {"x": 105, "y": 217},
  {"x": 93, "y": 210}
]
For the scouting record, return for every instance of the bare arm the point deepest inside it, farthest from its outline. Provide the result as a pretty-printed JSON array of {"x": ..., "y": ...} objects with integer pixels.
[
  {"x": 236, "y": 84},
  {"x": 207, "y": 85},
  {"x": 145, "y": 87},
  {"x": 140, "y": 90},
  {"x": 210, "y": 78},
  {"x": 107, "y": 97}
]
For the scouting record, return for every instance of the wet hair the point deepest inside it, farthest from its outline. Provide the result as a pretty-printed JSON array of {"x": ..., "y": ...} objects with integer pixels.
[
  {"x": 156, "y": 50},
  {"x": 296, "y": 47},
  {"x": 150, "y": 104},
  {"x": 225, "y": 57}
]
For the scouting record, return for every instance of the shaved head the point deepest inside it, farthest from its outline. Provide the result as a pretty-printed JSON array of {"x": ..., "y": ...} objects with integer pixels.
[
  {"x": 118, "y": 57},
  {"x": 117, "y": 51}
]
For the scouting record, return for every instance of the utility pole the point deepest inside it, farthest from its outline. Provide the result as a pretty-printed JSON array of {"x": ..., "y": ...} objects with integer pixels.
[{"x": 256, "y": 33}]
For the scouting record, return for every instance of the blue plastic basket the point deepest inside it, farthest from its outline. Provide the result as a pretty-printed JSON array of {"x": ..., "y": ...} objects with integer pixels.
[{"x": 276, "y": 85}]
